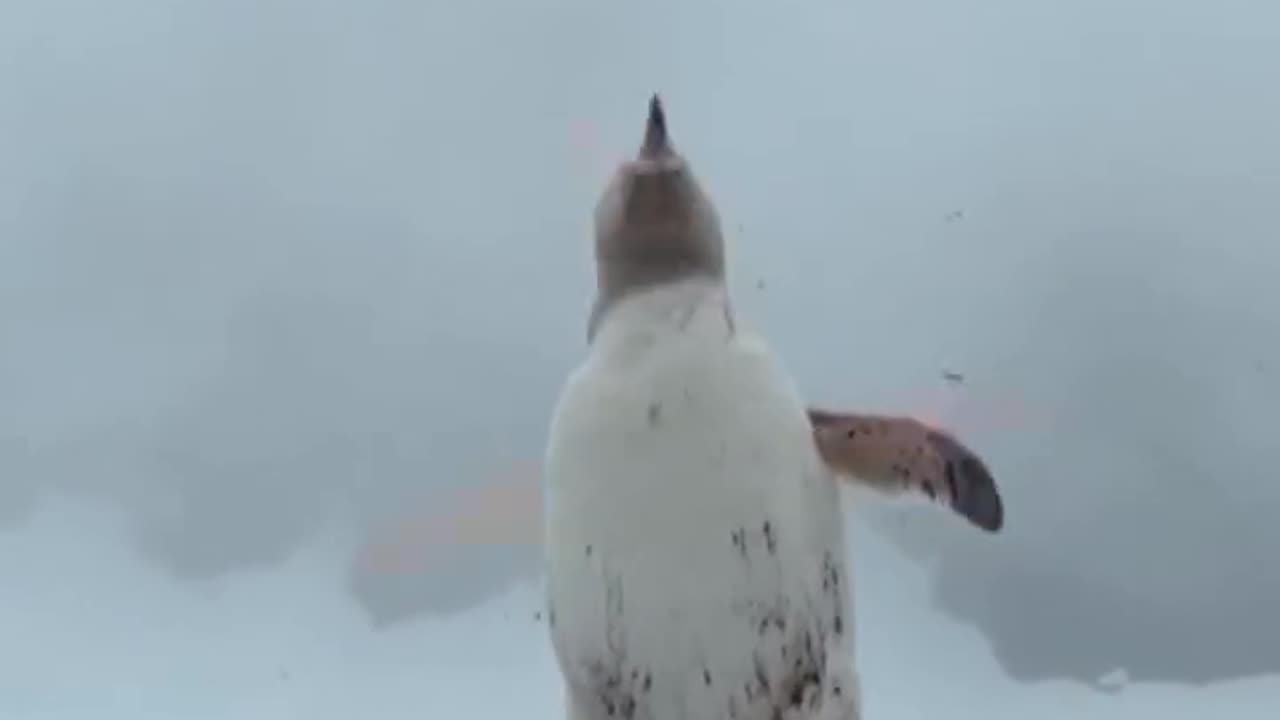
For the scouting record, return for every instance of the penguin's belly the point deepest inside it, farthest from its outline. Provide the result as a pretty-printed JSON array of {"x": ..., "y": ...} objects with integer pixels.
[{"x": 694, "y": 540}]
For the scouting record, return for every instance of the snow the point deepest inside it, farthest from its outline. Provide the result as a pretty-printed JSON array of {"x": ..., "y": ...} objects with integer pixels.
[{"x": 88, "y": 631}]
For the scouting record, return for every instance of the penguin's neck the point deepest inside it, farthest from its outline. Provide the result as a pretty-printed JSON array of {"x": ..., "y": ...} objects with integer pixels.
[{"x": 691, "y": 308}]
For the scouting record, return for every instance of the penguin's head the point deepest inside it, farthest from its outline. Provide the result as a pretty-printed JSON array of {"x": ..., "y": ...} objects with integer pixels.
[{"x": 653, "y": 223}]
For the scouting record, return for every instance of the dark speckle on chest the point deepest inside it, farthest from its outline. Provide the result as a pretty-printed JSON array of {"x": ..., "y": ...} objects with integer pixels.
[{"x": 792, "y": 632}]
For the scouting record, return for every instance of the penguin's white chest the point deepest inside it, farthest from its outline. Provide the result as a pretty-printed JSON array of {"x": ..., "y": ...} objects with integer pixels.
[{"x": 694, "y": 540}]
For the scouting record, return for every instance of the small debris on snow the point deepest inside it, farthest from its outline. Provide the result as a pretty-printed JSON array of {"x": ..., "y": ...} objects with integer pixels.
[{"x": 1114, "y": 681}]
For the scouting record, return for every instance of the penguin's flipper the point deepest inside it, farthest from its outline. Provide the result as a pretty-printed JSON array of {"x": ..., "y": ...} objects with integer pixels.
[{"x": 899, "y": 454}]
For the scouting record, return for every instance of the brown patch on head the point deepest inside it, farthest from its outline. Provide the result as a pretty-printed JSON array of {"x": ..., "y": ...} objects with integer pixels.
[{"x": 653, "y": 223}]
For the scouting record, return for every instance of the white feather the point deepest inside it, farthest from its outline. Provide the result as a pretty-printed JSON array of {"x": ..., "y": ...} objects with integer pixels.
[{"x": 679, "y": 435}]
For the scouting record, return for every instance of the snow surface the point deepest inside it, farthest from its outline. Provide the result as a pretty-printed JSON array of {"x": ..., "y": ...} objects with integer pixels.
[{"x": 88, "y": 631}]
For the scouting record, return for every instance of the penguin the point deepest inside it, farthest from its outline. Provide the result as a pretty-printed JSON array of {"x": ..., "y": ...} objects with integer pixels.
[
  {"x": 693, "y": 539},
  {"x": 695, "y": 564}
]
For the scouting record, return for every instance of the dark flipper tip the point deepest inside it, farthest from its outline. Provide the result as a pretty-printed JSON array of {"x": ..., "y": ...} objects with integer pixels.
[
  {"x": 656, "y": 139},
  {"x": 973, "y": 489},
  {"x": 982, "y": 505}
]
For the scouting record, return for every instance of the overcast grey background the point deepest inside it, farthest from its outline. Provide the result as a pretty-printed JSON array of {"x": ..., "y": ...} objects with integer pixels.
[{"x": 265, "y": 266}]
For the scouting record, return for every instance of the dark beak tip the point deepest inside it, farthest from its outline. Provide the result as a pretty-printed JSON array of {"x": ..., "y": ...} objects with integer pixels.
[
  {"x": 656, "y": 137},
  {"x": 657, "y": 114}
]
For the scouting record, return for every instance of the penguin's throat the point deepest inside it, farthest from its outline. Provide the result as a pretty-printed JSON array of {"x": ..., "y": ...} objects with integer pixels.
[{"x": 663, "y": 307}]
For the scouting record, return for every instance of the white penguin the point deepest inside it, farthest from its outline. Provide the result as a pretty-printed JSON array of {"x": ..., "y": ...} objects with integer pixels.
[
  {"x": 693, "y": 534},
  {"x": 694, "y": 542}
]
